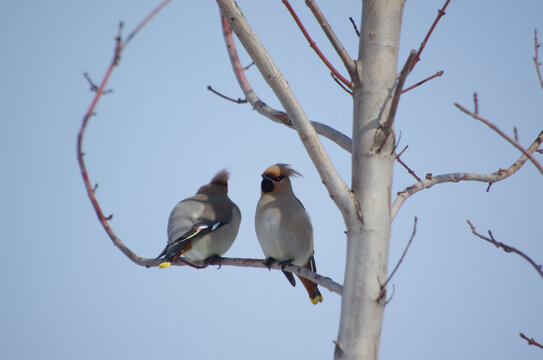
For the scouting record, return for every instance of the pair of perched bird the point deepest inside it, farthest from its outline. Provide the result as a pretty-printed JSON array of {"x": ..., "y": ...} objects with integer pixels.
[{"x": 205, "y": 225}]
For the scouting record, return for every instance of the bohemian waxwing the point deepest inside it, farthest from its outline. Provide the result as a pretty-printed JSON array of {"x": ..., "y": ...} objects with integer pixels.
[
  {"x": 283, "y": 227},
  {"x": 204, "y": 225}
]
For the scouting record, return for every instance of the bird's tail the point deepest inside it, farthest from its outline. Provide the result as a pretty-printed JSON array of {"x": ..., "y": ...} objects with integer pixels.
[
  {"x": 312, "y": 288},
  {"x": 172, "y": 251}
]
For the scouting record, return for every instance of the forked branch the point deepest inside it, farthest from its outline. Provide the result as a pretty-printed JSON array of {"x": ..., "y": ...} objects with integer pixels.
[
  {"x": 531, "y": 341},
  {"x": 332, "y": 37},
  {"x": 504, "y": 135},
  {"x": 275, "y": 115},
  {"x": 440, "y": 13},
  {"x": 337, "y": 189},
  {"x": 506, "y": 248},
  {"x": 430, "y": 180},
  {"x": 314, "y": 46}
]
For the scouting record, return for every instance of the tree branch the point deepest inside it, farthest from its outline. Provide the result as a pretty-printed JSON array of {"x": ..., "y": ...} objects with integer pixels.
[
  {"x": 323, "y": 281},
  {"x": 275, "y": 115},
  {"x": 238, "y": 101},
  {"x": 119, "y": 46},
  {"x": 440, "y": 13},
  {"x": 355, "y": 27},
  {"x": 502, "y": 134},
  {"x": 338, "y": 190},
  {"x": 384, "y": 286},
  {"x": 398, "y": 159},
  {"x": 387, "y": 125},
  {"x": 531, "y": 341},
  {"x": 334, "y": 40},
  {"x": 439, "y": 73},
  {"x": 506, "y": 248},
  {"x": 457, "y": 177},
  {"x": 314, "y": 46},
  {"x": 537, "y": 45}
]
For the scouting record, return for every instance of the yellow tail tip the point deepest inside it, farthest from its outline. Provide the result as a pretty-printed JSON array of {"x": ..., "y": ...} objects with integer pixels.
[
  {"x": 164, "y": 265},
  {"x": 317, "y": 300}
]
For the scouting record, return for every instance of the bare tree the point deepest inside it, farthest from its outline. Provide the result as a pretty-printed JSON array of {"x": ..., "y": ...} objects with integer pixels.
[{"x": 366, "y": 204}]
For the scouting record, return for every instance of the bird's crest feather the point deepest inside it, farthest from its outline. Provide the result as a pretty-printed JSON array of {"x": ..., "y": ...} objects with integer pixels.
[{"x": 281, "y": 169}]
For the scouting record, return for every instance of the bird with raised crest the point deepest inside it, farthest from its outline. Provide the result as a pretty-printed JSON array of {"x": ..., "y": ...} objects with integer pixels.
[{"x": 283, "y": 227}]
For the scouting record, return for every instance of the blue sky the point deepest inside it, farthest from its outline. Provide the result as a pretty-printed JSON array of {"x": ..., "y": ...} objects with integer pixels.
[{"x": 68, "y": 293}]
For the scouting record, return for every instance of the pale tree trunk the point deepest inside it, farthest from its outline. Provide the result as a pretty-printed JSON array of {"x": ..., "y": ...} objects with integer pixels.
[
  {"x": 362, "y": 307},
  {"x": 365, "y": 209}
]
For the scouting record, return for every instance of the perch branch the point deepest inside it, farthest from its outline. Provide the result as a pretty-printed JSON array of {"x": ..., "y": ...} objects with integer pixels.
[
  {"x": 537, "y": 45},
  {"x": 506, "y": 248},
  {"x": 314, "y": 46},
  {"x": 439, "y": 73},
  {"x": 261, "y": 107},
  {"x": 149, "y": 262},
  {"x": 331, "y": 35},
  {"x": 336, "y": 187},
  {"x": 531, "y": 341},
  {"x": 457, "y": 177},
  {"x": 504, "y": 135},
  {"x": 440, "y": 13}
]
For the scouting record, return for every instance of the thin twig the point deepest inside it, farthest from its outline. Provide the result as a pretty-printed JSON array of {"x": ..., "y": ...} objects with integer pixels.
[
  {"x": 506, "y": 248},
  {"x": 238, "y": 101},
  {"x": 314, "y": 46},
  {"x": 144, "y": 22},
  {"x": 502, "y": 134},
  {"x": 355, "y": 27},
  {"x": 94, "y": 87},
  {"x": 405, "y": 166},
  {"x": 440, "y": 13},
  {"x": 475, "y": 103},
  {"x": 260, "y": 106},
  {"x": 457, "y": 177},
  {"x": 439, "y": 73},
  {"x": 537, "y": 45},
  {"x": 387, "y": 125},
  {"x": 340, "y": 84},
  {"x": 245, "y": 68},
  {"x": 331, "y": 35},
  {"x": 383, "y": 287},
  {"x": 531, "y": 341}
]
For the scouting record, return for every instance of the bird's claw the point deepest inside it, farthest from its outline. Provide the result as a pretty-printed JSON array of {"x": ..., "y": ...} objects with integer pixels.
[
  {"x": 269, "y": 262},
  {"x": 213, "y": 260}
]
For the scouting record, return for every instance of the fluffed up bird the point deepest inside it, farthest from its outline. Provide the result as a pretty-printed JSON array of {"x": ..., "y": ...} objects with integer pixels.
[
  {"x": 202, "y": 226},
  {"x": 283, "y": 227}
]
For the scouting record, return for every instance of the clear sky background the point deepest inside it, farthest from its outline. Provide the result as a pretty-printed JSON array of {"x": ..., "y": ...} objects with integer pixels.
[{"x": 67, "y": 293}]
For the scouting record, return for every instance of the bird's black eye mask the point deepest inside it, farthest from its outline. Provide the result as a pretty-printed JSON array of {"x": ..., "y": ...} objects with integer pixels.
[{"x": 267, "y": 184}]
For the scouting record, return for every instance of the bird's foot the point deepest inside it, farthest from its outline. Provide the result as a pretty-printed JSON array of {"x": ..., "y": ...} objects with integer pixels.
[
  {"x": 213, "y": 260},
  {"x": 269, "y": 262},
  {"x": 285, "y": 263}
]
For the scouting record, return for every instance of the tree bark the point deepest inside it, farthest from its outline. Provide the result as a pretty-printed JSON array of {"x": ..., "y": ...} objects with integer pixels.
[{"x": 362, "y": 307}]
